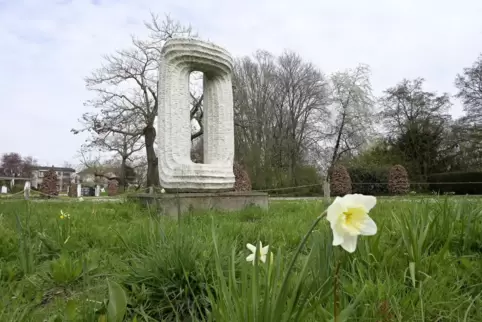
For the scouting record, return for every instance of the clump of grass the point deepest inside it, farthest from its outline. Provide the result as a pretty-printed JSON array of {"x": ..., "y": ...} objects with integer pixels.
[{"x": 167, "y": 279}]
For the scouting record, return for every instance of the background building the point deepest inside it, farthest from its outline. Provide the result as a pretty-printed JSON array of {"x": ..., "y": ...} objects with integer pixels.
[{"x": 64, "y": 175}]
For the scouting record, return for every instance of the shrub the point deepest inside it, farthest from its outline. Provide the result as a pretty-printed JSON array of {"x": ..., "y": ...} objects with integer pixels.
[
  {"x": 112, "y": 187},
  {"x": 340, "y": 181},
  {"x": 243, "y": 183},
  {"x": 369, "y": 180},
  {"x": 49, "y": 183},
  {"x": 398, "y": 183},
  {"x": 457, "y": 182}
]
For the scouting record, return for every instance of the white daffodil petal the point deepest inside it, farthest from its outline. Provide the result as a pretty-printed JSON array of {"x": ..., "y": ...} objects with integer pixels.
[
  {"x": 264, "y": 250},
  {"x": 337, "y": 238},
  {"x": 367, "y": 201},
  {"x": 335, "y": 210},
  {"x": 263, "y": 258},
  {"x": 251, "y": 247},
  {"x": 349, "y": 243},
  {"x": 250, "y": 258},
  {"x": 349, "y": 200},
  {"x": 369, "y": 227}
]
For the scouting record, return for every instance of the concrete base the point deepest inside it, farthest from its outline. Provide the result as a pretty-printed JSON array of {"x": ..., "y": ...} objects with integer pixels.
[{"x": 181, "y": 203}]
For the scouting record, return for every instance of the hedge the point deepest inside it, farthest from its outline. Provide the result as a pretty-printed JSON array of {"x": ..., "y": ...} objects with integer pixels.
[
  {"x": 340, "y": 181},
  {"x": 369, "y": 181},
  {"x": 456, "y": 182}
]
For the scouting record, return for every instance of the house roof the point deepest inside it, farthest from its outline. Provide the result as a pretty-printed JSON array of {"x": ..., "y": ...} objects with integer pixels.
[
  {"x": 53, "y": 168},
  {"x": 98, "y": 170},
  {"x": 16, "y": 178}
]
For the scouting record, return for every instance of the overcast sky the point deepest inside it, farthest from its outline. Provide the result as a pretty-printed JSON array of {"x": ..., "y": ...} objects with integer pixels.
[{"x": 48, "y": 46}]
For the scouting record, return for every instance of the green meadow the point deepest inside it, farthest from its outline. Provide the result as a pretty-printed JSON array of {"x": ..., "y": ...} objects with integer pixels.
[{"x": 87, "y": 261}]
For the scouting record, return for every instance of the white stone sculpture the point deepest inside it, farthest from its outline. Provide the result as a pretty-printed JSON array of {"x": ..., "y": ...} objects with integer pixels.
[
  {"x": 180, "y": 57},
  {"x": 26, "y": 190},
  {"x": 3, "y": 189},
  {"x": 79, "y": 190}
]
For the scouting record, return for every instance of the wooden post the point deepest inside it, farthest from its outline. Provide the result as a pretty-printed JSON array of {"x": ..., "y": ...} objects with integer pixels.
[{"x": 326, "y": 192}]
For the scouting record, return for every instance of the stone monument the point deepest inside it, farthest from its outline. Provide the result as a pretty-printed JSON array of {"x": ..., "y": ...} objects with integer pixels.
[
  {"x": 176, "y": 170},
  {"x": 209, "y": 184}
]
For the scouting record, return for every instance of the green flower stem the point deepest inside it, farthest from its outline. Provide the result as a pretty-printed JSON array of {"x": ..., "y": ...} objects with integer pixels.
[
  {"x": 336, "y": 307},
  {"x": 295, "y": 257}
]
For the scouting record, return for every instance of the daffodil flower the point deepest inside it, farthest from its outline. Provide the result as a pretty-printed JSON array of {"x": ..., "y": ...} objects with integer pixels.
[
  {"x": 263, "y": 251},
  {"x": 348, "y": 217},
  {"x": 64, "y": 215}
]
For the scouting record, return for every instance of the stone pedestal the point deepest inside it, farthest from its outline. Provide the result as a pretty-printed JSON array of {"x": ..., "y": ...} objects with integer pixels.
[{"x": 175, "y": 205}]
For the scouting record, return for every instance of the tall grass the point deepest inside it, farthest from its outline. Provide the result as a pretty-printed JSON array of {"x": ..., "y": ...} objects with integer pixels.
[{"x": 121, "y": 262}]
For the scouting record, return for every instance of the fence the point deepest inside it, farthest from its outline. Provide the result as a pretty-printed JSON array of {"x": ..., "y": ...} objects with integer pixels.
[{"x": 312, "y": 190}]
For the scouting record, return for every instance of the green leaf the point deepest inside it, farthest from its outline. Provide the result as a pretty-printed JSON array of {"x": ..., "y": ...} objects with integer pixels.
[
  {"x": 70, "y": 310},
  {"x": 411, "y": 267},
  {"x": 117, "y": 306},
  {"x": 348, "y": 311}
]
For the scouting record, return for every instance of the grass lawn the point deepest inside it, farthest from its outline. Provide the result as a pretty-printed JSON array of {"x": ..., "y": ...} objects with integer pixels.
[{"x": 424, "y": 264}]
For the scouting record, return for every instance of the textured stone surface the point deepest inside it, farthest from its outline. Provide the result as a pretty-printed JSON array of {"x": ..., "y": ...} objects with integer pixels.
[
  {"x": 184, "y": 203},
  {"x": 176, "y": 170}
]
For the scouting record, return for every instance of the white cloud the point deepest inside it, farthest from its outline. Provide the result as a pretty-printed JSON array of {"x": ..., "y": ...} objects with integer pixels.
[{"x": 49, "y": 46}]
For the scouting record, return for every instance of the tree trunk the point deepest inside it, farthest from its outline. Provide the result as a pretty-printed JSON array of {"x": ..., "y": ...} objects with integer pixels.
[
  {"x": 152, "y": 170},
  {"x": 337, "y": 143},
  {"x": 123, "y": 173}
]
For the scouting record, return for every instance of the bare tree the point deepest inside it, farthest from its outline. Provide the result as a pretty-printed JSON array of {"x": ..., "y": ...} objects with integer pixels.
[
  {"x": 469, "y": 85},
  {"x": 122, "y": 144},
  {"x": 254, "y": 85},
  {"x": 416, "y": 121},
  {"x": 277, "y": 104},
  {"x": 126, "y": 88},
  {"x": 91, "y": 162},
  {"x": 139, "y": 164},
  {"x": 352, "y": 111},
  {"x": 302, "y": 96},
  {"x": 13, "y": 164}
]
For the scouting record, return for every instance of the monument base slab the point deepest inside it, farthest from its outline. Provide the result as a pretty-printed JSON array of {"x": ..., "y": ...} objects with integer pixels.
[{"x": 178, "y": 204}]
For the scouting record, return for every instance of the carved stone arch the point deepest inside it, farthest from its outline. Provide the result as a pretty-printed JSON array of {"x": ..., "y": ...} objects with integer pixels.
[{"x": 181, "y": 56}]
